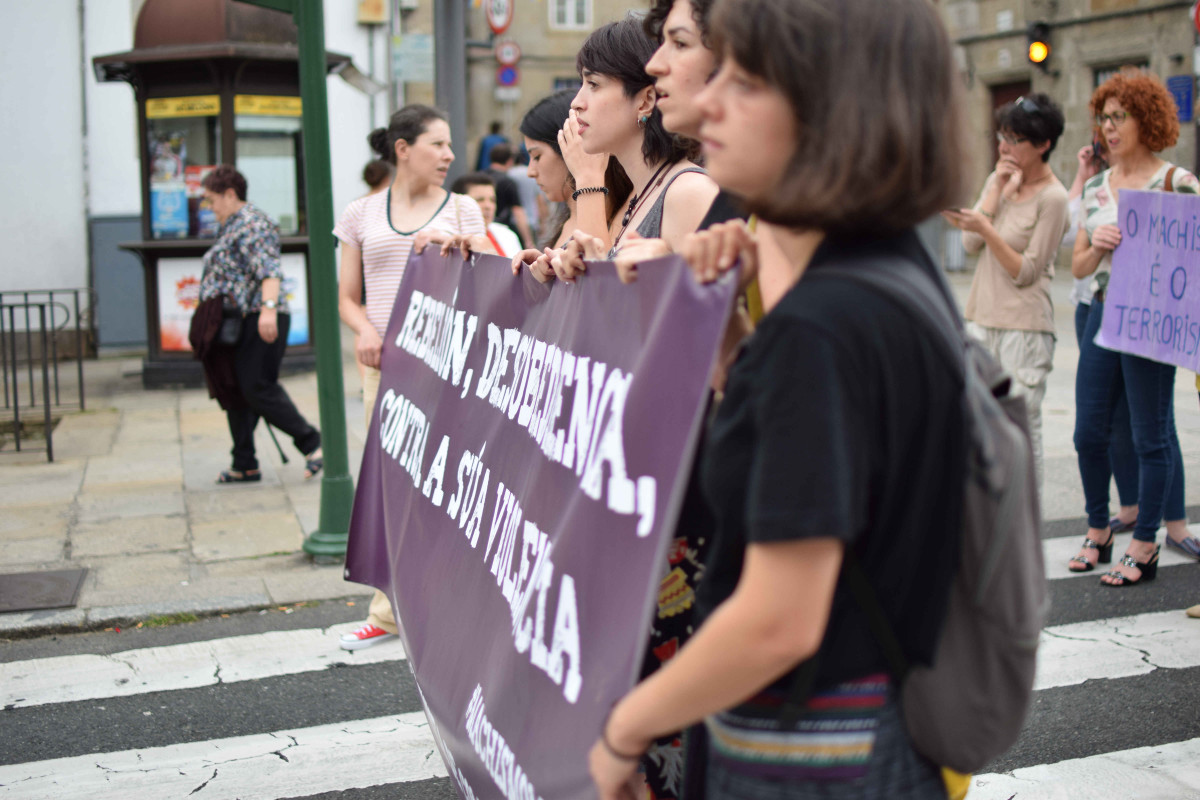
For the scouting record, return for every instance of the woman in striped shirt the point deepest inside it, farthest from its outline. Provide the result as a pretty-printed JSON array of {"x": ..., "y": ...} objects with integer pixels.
[{"x": 378, "y": 233}]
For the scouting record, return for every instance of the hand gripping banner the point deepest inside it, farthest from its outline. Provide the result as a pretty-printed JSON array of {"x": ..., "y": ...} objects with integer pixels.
[{"x": 521, "y": 481}]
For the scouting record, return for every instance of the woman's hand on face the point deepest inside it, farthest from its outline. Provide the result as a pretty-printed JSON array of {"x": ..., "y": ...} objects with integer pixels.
[
  {"x": 712, "y": 252},
  {"x": 615, "y": 779},
  {"x": 368, "y": 347},
  {"x": 1008, "y": 175},
  {"x": 634, "y": 249},
  {"x": 1087, "y": 166},
  {"x": 1106, "y": 238},
  {"x": 268, "y": 325},
  {"x": 428, "y": 236},
  {"x": 588, "y": 170}
]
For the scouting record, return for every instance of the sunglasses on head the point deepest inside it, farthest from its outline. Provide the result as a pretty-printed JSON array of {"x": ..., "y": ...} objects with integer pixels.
[{"x": 1026, "y": 105}]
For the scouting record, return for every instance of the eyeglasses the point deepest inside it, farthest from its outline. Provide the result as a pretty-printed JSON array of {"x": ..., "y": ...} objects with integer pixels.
[
  {"x": 1026, "y": 105},
  {"x": 1116, "y": 118},
  {"x": 1008, "y": 138}
]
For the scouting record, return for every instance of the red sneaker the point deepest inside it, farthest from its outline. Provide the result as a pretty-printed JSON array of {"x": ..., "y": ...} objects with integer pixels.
[{"x": 366, "y": 635}]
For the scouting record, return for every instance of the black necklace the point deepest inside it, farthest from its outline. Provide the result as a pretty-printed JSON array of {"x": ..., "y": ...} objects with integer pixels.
[{"x": 636, "y": 200}]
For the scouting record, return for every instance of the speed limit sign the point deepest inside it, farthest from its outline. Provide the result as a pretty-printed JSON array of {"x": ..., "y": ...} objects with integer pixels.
[
  {"x": 499, "y": 14},
  {"x": 508, "y": 53}
]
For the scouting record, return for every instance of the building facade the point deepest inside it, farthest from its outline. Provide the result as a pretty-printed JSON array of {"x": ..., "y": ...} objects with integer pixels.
[{"x": 1090, "y": 40}]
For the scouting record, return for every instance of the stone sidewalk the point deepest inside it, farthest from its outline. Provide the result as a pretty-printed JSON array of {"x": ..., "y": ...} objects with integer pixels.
[{"x": 131, "y": 496}]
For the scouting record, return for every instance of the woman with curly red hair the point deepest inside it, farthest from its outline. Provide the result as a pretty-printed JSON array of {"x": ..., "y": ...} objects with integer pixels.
[{"x": 1137, "y": 118}]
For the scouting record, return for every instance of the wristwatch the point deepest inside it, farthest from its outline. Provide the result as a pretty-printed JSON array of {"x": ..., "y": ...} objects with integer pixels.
[{"x": 270, "y": 304}]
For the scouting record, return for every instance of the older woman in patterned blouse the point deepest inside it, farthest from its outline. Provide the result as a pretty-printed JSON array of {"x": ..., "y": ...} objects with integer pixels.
[{"x": 244, "y": 265}]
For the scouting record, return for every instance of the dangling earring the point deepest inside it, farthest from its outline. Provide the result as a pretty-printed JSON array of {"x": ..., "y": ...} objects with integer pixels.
[{"x": 642, "y": 120}]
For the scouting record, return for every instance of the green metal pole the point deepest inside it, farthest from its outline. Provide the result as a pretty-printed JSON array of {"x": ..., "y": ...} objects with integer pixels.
[
  {"x": 337, "y": 489},
  {"x": 328, "y": 542}
]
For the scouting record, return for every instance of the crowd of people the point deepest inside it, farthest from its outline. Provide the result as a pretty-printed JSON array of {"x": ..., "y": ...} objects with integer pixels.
[{"x": 715, "y": 130}]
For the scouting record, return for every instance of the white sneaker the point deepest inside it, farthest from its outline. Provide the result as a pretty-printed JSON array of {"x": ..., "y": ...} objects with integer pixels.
[{"x": 366, "y": 635}]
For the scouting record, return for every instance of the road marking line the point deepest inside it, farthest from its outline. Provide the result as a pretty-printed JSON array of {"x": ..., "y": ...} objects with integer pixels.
[
  {"x": 65, "y": 679},
  {"x": 1117, "y": 648},
  {"x": 344, "y": 755},
  {"x": 1163, "y": 771}
]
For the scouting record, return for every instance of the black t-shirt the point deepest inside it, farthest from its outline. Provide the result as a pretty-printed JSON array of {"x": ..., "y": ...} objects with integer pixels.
[
  {"x": 507, "y": 196},
  {"x": 724, "y": 208},
  {"x": 841, "y": 419}
]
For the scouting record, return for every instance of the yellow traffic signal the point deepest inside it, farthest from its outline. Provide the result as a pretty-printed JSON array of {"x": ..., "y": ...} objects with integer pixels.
[{"x": 1038, "y": 38}]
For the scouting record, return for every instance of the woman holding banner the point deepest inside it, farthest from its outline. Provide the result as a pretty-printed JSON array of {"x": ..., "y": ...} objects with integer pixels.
[
  {"x": 1137, "y": 118},
  {"x": 810, "y": 454},
  {"x": 377, "y": 234}
]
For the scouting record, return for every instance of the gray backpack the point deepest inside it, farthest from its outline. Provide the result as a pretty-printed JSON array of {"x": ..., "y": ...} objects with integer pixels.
[{"x": 968, "y": 708}]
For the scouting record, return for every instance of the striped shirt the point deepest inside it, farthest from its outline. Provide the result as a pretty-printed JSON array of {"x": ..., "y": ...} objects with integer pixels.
[{"x": 365, "y": 224}]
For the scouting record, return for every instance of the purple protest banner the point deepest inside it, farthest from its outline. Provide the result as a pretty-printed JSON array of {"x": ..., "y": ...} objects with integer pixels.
[
  {"x": 520, "y": 483},
  {"x": 1152, "y": 302}
]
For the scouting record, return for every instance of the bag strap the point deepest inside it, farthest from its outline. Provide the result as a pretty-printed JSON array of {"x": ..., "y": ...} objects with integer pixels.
[{"x": 1169, "y": 180}]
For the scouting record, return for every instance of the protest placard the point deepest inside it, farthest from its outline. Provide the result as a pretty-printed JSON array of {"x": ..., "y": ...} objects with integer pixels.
[
  {"x": 1152, "y": 302},
  {"x": 521, "y": 478}
]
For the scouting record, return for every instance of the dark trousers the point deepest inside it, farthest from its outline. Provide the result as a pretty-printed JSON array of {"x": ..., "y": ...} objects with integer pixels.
[
  {"x": 1148, "y": 386},
  {"x": 256, "y": 364},
  {"x": 1122, "y": 458}
]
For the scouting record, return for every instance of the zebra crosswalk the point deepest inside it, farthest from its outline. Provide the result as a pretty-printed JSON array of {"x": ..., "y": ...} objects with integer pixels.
[{"x": 285, "y": 714}]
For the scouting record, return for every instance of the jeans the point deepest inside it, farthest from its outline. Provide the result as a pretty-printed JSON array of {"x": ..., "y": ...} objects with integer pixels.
[
  {"x": 256, "y": 364},
  {"x": 1122, "y": 458},
  {"x": 1103, "y": 377}
]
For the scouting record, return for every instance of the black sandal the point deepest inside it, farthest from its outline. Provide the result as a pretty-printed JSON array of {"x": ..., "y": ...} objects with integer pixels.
[
  {"x": 313, "y": 464},
  {"x": 1103, "y": 555},
  {"x": 1149, "y": 570},
  {"x": 234, "y": 476}
]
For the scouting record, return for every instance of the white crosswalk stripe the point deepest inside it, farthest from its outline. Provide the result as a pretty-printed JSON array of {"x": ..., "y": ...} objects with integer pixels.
[
  {"x": 327, "y": 758},
  {"x": 1166, "y": 772},
  {"x": 386, "y": 751},
  {"x": 183, "y": 666}
]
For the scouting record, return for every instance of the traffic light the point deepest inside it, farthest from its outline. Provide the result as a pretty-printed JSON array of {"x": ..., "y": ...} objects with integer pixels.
[{"x": 1038, "y": 37}]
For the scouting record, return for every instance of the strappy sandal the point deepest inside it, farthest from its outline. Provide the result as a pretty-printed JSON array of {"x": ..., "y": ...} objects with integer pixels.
[
  {"x": 313, "y": 463},
  {"x": 234, "y": 476},
  {"x": 1149, "y": 571},
  {"x": 1103, "y": 555}
]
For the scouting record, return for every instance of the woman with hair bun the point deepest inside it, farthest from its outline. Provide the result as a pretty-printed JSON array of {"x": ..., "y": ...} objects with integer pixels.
[
  {"x": 1137, "y": 119},
  {"x": 378, "y": 233}
]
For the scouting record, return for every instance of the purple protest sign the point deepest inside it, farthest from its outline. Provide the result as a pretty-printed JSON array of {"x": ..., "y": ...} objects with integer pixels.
[
  {"x": 1150, "y": 307},
  {"x": 521, "y": 478}
]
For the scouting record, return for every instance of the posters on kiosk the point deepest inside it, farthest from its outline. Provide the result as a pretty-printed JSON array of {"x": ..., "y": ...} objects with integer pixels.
[
  {"x": 1152, "y": 302},
  {"x": 521, "y": 479}
]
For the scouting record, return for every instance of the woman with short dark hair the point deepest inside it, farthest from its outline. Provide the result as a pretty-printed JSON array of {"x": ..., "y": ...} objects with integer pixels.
[
  {"x": 1018, "y": 223},
  {"x": 1137, "y": 118},
  {"x": 244, "y": 265},
  {"x": 811, "y": 453}
]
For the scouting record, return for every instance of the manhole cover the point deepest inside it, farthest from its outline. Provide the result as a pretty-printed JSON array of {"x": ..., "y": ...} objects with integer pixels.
[{"x": 33, "y": 591}]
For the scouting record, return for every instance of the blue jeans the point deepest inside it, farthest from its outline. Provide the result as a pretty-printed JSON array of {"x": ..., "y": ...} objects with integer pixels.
[
  {"x": 1122, "y": 458},
  {"x": 1103, "y": 378}
]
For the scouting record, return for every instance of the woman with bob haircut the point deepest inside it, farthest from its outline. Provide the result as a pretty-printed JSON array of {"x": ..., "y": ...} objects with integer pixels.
[
  {"x": 614, "y": 112},
  {"x": 814, "y": 452},
  {"x": 1018, "y": 222},
  {"x": 1137, "y": 118}
]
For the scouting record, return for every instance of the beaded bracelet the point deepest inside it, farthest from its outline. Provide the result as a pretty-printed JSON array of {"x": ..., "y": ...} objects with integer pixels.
[{"x": 588, "y": 190}]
